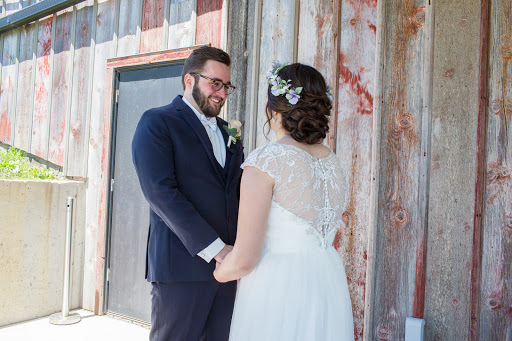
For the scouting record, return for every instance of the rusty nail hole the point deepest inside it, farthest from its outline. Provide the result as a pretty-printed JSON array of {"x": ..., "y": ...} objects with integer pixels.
[
  {"x": 383, "y": 332},
  {"x": 455, "y": 302},
  {"x": 353, "y": 21},
  {"x": 463, "y": 22}
]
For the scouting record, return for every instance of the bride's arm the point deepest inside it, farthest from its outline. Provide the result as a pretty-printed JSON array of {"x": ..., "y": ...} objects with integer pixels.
[{"x": 255, "y": 201}]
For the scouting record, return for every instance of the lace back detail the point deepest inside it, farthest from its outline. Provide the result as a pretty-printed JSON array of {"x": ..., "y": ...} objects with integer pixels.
[{"x": 306, "y": 186}]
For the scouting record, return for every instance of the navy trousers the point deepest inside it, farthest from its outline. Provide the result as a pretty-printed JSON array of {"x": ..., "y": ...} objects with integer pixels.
[{"x": 191, "y": 311}]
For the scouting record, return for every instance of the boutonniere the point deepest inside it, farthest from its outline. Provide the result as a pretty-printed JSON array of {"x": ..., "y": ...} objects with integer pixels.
[{"x": 234, "y": 130}]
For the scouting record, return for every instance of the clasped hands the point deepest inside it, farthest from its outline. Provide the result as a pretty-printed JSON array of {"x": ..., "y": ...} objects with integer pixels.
[{"x": 219, "y": 258}]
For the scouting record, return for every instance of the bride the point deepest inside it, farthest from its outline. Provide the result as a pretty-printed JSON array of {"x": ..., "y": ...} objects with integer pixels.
[{"x": 292, "y": 281}]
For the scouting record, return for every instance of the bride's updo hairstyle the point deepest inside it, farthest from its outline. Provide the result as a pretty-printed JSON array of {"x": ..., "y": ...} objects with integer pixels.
[{"x": 307, "y": 120}]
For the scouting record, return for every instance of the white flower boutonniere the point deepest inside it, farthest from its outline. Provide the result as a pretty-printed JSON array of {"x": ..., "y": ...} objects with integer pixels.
[{"x": 234, "y": 130}]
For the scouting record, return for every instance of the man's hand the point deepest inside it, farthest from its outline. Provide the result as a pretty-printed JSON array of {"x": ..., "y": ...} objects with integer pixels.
[{"x": 223, "y": 253}]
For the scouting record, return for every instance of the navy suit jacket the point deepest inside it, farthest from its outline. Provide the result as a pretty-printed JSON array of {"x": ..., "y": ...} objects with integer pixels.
[{"x": 193, "y": 199}]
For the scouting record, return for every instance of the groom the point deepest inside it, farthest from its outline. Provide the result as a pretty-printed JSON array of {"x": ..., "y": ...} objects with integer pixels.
[{"x": 191, "y": 180}]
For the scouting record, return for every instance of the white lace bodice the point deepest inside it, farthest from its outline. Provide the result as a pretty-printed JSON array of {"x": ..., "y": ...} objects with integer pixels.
[{"x": 306, "y": 186}]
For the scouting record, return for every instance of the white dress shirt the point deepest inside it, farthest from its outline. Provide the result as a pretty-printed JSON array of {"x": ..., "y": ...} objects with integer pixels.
[{"x": 219, "y": 150}]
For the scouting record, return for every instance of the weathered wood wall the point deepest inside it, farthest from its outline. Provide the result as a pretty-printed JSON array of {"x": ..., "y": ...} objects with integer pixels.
[{"x": 421, "y": 126}]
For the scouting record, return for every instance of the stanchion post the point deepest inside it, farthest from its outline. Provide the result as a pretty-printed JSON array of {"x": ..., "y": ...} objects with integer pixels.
[{"x": 65, "y": 317}]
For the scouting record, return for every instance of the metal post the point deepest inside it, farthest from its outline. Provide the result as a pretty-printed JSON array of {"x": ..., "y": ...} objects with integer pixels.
[{"x": 64, "y": 317}]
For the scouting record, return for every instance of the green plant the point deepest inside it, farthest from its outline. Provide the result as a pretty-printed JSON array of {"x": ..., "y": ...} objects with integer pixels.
[{"x": 13, "y": 165}]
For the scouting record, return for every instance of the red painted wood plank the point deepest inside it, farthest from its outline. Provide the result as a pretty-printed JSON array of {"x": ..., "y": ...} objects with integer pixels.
[
  {"x": 152, "y": 25},
  {"x": 354, "y": 143},
  {"x": 209, "y": 22},
  {"x": 60, "y": 84},
  {"x": 26, "y": 75},
  {"x": 150, "y": 58},
  {"x": 81, "y": 64},
  {"x": 129, "y": 34},
  {"x": 8, "y": 85},
  {"x": 41, "y": 115}
]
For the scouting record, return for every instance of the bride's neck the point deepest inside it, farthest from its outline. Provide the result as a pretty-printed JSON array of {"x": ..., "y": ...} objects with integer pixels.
[{"x": 282, "y": 134}]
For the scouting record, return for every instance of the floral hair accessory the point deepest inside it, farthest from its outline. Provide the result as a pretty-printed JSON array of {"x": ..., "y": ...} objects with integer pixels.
[
  {"x": 329, "y": 93},
  {"x": 280, "y": 86}
]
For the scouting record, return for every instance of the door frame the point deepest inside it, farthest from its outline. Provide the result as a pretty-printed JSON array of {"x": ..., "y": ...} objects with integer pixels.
[{"x": 114, "y": 67}]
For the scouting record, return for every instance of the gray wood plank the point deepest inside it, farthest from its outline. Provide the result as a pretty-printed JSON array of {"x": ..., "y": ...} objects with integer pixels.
[
  {"x": 396, "y": 168},
  {"x": 495, "y": 301},
  {"x": 453, "y": 170}
]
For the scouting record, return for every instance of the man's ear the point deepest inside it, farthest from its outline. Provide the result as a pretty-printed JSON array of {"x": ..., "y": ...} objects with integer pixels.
[{"x": 189, "y": 81}]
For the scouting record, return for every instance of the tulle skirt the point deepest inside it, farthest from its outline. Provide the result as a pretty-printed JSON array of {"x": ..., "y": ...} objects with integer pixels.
[{"x": 294, "y": 295}]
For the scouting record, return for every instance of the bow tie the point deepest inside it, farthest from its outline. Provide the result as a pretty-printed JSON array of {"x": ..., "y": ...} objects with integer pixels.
[{"x": 210, "y": 122}]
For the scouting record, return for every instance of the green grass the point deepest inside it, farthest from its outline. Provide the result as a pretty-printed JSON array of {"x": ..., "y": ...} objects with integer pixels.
[{"x": 13, "y": 165}]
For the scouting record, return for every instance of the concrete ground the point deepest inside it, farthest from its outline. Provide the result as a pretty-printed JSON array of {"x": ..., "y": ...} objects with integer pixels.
[{"x": 91, "y": 327}]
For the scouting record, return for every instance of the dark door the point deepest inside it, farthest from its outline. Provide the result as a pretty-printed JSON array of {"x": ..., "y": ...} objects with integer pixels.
[{"x": 128, "y": 293}]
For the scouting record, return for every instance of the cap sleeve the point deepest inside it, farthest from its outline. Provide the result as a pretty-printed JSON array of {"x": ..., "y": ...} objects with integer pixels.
[{"x": 268, "y": 159}]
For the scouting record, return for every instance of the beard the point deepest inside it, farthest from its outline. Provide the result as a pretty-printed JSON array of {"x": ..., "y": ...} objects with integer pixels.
[{"x": 204, "y": 104}]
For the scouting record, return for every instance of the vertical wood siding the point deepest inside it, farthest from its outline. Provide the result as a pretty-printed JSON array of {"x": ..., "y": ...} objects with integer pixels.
[
  {"x": 400, "y": 85},
  {"x": 495, "y": 301},
  {"x": 354, "y": 143},
  {"x": 318, "y": 45},
  {"x": 152, "y": 25},
  {"x": 42, "y": 95},
  {"x": 241, "y": 49},
  {"x": 25, "y": 85},
  {"x": 208, "y": 22},
  {"x": 277, "y": 43},
  {"x": 99, "y": 141},
  {"x": 182, "y": 24},
  {"x": 60, "y": 85},
  {"x": 77, "y": 142},
  {"x": 26, "y": 79},
  {"x": 453, "y": 169},
  {"x": 129, "y": 30},
  {"x": 8, "y": 82}
]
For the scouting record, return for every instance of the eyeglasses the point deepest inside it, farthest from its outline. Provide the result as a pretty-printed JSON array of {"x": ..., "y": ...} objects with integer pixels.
[{"x": 217, "y": 84}]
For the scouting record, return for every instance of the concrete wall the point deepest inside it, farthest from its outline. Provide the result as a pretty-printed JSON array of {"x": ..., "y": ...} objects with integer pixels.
[{"x": 32, "y": 243}]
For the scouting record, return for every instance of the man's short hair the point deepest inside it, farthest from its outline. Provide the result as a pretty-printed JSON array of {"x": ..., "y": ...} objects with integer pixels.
[{"x": 198, "y": 58}]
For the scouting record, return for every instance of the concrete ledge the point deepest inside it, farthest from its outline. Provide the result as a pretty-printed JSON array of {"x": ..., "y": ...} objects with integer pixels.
[{"x": 32, "y": 241}]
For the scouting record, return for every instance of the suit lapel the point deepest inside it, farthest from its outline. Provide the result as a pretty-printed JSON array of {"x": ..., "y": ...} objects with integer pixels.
[{"x": 200, "y": 131}]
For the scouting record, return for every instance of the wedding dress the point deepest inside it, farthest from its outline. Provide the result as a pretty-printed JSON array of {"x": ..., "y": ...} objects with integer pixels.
[{"x": 298, "y": 290}]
